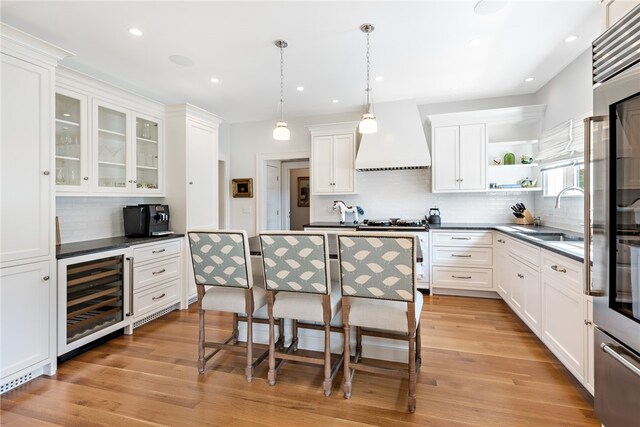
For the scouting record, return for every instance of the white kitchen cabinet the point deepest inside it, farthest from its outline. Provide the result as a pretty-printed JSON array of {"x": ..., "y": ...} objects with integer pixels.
[
  {"x": 192, "y": 181},
  {"x": 333, "y": 150},
  {"x": 589, "y": 378},
  {"x": 524, "y": 295},
  {"x": 72, "y": 142},
  {"x": 25, "y": 317},
  {"x": 564, "y": 313},
  {"x": 459, "y": 154},
  {"x": 461, "y": 261},
  {"x": 501, "y": 262},
  {"x": 27, "y": 240}
]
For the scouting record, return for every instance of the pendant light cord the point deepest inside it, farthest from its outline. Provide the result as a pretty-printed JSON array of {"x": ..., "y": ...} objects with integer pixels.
[
  {"x": 368, "y": 68},
  {"x": 281, "y": 84}
]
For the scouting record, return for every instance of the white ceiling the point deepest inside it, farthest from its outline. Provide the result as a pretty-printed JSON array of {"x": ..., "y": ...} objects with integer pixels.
[{"x": 420, "y": 48}]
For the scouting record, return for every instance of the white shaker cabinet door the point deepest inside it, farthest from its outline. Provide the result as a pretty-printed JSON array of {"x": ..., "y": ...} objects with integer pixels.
[
  {"x": 445, "y": 160},
  {"x": 472, "y": 157},
  {"x": 343, "y": 161},
  {"x": 322, "y": 157},
  {"x": 25, "y": 173},
  {"x": 203, "y": 176},
  {"x": 24, "y": 316}
]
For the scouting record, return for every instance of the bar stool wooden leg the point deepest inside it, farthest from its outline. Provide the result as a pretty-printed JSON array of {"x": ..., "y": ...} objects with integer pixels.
[
  {"x": 326, "y": 308},
  {"x": 358, "y": 344},
  {"x": 201, "y": 360},
  {"x": 419, "y": 347},
  {"x": 249, "y": 369},
  {"x": 235, "y": 328},
  {"x": 411, "y": 327},
  {"x": 347, "y": 352},
  {"x": 294, "y": 331},
  {"x": 281, "y": 337},
  {"x": 272, "y": 345}
]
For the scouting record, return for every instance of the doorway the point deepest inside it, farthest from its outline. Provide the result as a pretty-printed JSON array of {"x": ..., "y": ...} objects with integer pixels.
[{"x": 296, "y": 195}]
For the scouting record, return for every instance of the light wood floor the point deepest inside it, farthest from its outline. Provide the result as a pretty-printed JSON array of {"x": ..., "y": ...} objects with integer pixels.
[{"x": 481, "y": 366}]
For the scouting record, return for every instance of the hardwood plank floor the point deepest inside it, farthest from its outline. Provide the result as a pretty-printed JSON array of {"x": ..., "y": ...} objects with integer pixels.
[{"x": 481, "y": 366}]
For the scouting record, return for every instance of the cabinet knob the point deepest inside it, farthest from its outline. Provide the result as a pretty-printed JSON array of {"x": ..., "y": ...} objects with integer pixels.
[
  {"x": 586, "y": 322},
  {"x": 46, "y": 173},
  {"x": 45, "y": 278},
  {"x": 86, "y": 178},
  {"x": 520, "y": 276},
  {"x": 130, "y": 181},
  {"x": 559, "y": 270},
  {"x": 190, "y": 182},
  {"x": 135, "y": 181}
]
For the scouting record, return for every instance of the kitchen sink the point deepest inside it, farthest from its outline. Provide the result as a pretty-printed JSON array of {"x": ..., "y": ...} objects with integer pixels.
[{"x": 555, "y": 237}]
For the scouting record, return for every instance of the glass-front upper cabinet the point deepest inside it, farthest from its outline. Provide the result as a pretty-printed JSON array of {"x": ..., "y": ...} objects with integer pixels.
[
  {"x": 111, "y": 148},
  {"x": 147, "y": 154},
  {"x": 72, "y": 173}
]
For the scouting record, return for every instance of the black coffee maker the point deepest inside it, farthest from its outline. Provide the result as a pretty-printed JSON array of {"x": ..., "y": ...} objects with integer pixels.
[
  {"x": 434, "y": 216},
  {"x": 146, "y": 220}
]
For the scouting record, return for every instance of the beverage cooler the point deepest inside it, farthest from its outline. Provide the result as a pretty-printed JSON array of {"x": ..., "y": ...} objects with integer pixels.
[{"x": 93, "y": 299}]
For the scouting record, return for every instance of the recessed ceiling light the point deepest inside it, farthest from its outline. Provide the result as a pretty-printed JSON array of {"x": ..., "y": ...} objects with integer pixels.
[
  {"x": 135, "y": 31},
  {"x": 181, "y": 60},
  {"x": 474, "y": 42},
  {"x": 571, "y": 39},
  {"x": 454, "y": 88},
  {"x": 379, "y": 79},
  {"x": 300, "y": 88},
  {"x": 335, "y": 101},
  {"x": 487, "y": 7},
  {"x": 529, "y": 79},
  {"x": 214, "y": 80}
]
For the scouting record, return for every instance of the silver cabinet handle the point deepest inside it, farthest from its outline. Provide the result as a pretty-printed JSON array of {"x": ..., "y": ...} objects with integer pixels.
[
  {"x": 461, "y": 256},
  {"x": 520, "y": 276},
  {"x": 46, "y": 173},
  {"x": 559, "y": 270},
  {"x": 586, "y": 322},
  {"x": 158, "y": 251},
  {"x": 460, "y": 238},
  {"x": 86, "y": 178},
  {"x": 130, "y": 181},
  {"x": 159, "y": 271},
  {"x": 460, "y": 277},
  {"x": 160, "y": 297},
  {"x": 616, "y": 352},
  {"x": 45, "y": 278},
  {"x": 130, "y": 313},
  {"x": 501, "y": 241}
]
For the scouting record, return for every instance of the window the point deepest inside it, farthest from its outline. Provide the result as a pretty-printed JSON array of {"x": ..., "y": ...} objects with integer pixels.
[{"x": 557, "y": 178}]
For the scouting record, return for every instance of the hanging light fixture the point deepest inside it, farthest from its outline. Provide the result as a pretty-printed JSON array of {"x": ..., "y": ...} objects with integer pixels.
[
  {"x": 281, "y": 131},
  {"x": 368, "y": 123}
]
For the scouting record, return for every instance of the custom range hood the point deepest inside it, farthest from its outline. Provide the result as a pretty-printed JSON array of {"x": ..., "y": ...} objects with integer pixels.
[{"x": 400, "y": 142}]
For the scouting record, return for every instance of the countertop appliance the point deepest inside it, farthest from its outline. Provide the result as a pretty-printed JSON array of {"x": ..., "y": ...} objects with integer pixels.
[
  {"x": 434, "y": 216},
  {"x": 615, "y": 131},
  {"x": 146, "y": 220}
]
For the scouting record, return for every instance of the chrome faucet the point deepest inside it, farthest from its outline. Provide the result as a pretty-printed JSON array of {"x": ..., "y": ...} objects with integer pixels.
[{"x": 564, "y": 190}]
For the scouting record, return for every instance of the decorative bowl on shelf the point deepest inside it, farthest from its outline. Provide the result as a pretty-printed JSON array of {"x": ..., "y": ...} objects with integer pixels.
[
  {"x": 528, "y": 183},
  {"x": 526, "y": 160}
]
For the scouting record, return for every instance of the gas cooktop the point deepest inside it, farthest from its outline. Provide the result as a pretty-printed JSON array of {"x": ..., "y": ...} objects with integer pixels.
[{"x": 394, "y": 224}]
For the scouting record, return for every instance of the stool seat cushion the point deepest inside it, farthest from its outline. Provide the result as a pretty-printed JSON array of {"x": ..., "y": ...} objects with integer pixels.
[
  {"x": 382, "y": 314},
  {"x": 305, "y": 306},
  {"x": 232, "y": 300}
]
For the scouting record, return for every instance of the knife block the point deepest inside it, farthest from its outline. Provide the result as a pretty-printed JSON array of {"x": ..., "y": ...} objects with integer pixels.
[{"x": 527, "y": 220}]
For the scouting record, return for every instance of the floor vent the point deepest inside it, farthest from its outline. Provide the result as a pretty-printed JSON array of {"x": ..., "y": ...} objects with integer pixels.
[
  {"x": 4, "y": 387},
  {"x": 154, "y": 316}
]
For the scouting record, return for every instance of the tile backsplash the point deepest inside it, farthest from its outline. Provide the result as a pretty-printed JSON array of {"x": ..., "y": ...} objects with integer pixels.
[
  {"x": 407, "y": 194},
  {"x": 87, "y": 218}
]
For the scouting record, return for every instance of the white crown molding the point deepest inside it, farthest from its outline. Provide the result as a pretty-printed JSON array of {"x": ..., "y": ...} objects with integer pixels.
[
  {"x": 493, "y": 116},
  {"x": 18, "y": 43},
  {"x": 332, "y": 128},
  {"x": 181, "y": 110}
]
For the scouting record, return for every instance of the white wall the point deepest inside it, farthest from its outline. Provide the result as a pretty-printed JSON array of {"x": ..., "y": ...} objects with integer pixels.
[{"x": 568, "y": 95}]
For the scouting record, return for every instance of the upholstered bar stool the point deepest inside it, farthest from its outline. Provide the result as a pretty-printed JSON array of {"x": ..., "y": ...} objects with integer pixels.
[
  {"x": 380, "y": 298},
  {"x": 221, "y": 263},
  {"x": 298, "y": 283}
]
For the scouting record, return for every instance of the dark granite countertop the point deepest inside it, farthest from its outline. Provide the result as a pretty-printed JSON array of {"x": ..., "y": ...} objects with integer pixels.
[
  {"x": 330, "y": 224},
  {"x": 68, "y": 250}
]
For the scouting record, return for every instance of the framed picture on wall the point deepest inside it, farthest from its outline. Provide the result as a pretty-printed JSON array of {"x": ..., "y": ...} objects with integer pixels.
[
  {"x": 303, "y": 191},
  {"x": 242, "y": 187}
]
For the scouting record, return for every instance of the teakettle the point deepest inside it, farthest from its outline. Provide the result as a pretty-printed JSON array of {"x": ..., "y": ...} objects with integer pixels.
[{"x": 434, "y": 216}]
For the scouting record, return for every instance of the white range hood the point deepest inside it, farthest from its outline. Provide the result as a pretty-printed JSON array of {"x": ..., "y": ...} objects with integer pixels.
[{"x": 400, "y": 142}]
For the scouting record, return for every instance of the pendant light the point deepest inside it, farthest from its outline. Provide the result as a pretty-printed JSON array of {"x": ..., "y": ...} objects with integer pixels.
[
  {"x": 281, "y": 131},
  {"x": 368, "y": 123}
]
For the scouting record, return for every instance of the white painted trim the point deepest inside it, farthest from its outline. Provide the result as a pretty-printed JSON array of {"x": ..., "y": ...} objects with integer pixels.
[
  {"x": 333, "y": 128},
  {"x": 194, "y": 113},
  {"x": 18, "y": 43},
  {"x": 258, "y": 187}
]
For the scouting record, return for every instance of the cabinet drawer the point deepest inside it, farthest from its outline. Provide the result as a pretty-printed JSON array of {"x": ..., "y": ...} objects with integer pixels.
[
  {"x": 463, "y": 278},
  {"x": 466, "y": 257},
  {"x": 151, "y": 273},
  {"x": 524, "y": 252},
  {"x": 157, "y": 251},
  {"x": 563, "y": 270},
  {"x": 501, "y": 242},
  {"x": 464, "y": 238},
  {"x": 156, "y": 297}
]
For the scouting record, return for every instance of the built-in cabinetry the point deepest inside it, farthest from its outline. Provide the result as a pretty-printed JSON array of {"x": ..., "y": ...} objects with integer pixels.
[
  {"x": 108, "y": 141},
  {"x": 613, "y": 10},
  {"x": 461, "y": 260},
  {"x": 192, "y": 180},
  {"x": 457, "y": 151},
  {"x": 524, "y": 283},
  {"x": 27, "y": 241},
  {"x": 469, "y": 149},
  {"x": 333, "y": 153}
]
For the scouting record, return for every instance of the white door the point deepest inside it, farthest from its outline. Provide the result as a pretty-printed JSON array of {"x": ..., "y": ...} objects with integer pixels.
[
  {"x": 203, "y": 176},
  {"x": 322, "y": 166},
  {"x": 473, "y": 157},
  {"x": 25, "y": 175},
  {"x": 445, "y": 160},
  {"x": 274, "y": 200},
  {"x": 24, "y": 316},
  {"x": 343, "y": 161}
]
